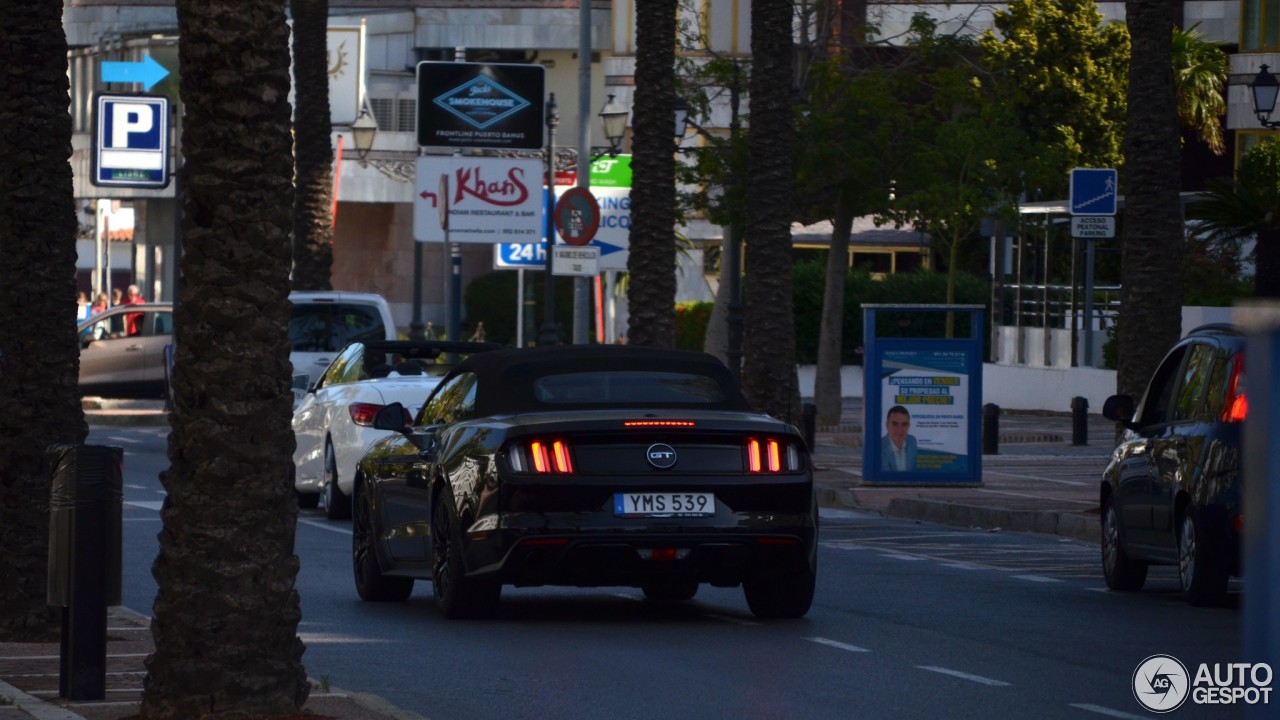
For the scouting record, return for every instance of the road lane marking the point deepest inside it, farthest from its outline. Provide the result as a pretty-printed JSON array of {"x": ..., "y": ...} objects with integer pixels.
[
  {"x": 1037, "y": 578},
  {"x": 146, "y": 504},
  {"x": 964, "y": 675},
  {"x": 325, "y": 526},
  {"x": 1037, "y": 497},
  {"x": 1022, "y": 476},
  {"x": 837, "y": 644},
  {"x": 1107, "y": 711}
]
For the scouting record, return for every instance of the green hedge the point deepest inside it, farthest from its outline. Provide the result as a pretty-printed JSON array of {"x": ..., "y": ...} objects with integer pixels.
[
  {"x": 923, "y": 287},
  {"x": 491, "y": 298}
]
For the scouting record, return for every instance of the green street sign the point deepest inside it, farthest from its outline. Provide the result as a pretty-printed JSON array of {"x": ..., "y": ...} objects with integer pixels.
[{"x": 611, "y": 172}]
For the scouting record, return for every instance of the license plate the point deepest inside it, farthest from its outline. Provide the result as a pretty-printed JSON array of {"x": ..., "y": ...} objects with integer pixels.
[{"x": 664, "y": 504}]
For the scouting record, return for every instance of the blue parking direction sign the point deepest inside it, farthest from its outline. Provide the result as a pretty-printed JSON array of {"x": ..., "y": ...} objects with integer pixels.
[
  {"x": 131, "y": 141},
  {"x": 1093, "y": 191}
]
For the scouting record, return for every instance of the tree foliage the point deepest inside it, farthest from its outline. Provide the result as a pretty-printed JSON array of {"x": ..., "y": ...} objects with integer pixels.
[
  {"x": 964, "y": 154},
  {"x": 1248, "y": 208},
  {"x": 1063, "y": 74},
  {"x": 1200, "y": 71}
]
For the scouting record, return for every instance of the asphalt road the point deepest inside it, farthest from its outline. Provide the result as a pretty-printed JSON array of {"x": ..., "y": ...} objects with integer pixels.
[{"x": 911, "y": 620}]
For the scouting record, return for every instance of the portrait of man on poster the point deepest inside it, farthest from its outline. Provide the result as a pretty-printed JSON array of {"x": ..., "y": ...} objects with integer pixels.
[{"x": 898, "y": 446}]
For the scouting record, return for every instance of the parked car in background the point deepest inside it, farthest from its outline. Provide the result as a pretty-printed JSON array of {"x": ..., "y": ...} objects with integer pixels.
[
  {"x": 586, "y": 466},
  {"x": 333, "y": 422},
  {"x": 122, "y": 351},
  {"x": 1171, "y": 493},
  {"x": 325, "y": 322},
  {"x": 114, "y": 363}
]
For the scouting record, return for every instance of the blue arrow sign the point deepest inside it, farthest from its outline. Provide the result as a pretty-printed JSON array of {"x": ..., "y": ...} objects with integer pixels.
[
  {"x": 148, "y": 72},
  {"x": 607, "y": 248}
]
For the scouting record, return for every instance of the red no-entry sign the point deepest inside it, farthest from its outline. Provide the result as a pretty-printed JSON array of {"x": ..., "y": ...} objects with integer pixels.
[{"x": 577, "y": 216}]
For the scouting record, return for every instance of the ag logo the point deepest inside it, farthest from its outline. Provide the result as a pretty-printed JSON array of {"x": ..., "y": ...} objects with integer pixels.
[
  {"x": 1161, "y": 683},
  {"x": 661, "y": 455}
]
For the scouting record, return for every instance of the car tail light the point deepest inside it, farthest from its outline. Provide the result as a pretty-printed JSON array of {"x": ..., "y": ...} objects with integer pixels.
[
  {"x": 771, "y": 456},
  {"x": 362, "y": 413},
  {"x": 657, "y": 423},
  {"x": 1236, "y": 406},
  {"x": 542, "y": 457}
]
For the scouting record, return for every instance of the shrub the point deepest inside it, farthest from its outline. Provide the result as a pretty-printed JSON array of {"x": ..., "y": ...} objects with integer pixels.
[{"x": 691, "y": 324}]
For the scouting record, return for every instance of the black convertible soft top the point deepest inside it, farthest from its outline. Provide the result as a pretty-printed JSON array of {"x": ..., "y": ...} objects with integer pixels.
[{"x": 507, "y": 378}]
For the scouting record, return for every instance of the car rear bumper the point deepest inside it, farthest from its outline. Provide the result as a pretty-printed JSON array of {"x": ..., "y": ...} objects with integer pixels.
[{"x": 614, "y": 555}]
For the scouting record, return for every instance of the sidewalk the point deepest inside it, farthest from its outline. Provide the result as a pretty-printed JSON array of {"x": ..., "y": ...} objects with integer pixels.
[{"x": 1037, "y": 482}]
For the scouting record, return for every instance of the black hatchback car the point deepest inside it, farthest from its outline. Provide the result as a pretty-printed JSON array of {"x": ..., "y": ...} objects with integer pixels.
[
  {"x": 1171, "y": 493},
  {"x": 586, "y": 466}
]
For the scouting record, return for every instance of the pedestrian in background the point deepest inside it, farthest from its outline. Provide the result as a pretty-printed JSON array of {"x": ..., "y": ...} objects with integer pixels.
[
  {"x": 117, "y": 296},
  {"x": 133, "y": 321},
  {"x": 100, "y": 303}
]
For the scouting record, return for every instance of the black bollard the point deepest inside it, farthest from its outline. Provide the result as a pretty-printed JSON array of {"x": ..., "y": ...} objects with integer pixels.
[
  {"x": 84, "y": 559},
  {"x": 990, "y": 429},
  {"x": 1079, "y": 421},
  {"x": 810, "y": 414}
]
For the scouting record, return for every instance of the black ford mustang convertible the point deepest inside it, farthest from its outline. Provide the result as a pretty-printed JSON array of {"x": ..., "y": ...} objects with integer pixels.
[{"x": 586, "y": 466}]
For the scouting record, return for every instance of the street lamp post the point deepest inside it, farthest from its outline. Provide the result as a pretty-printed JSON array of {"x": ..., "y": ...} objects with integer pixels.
[
  {"x": 548, "y": 334},
  {"x": 362, "y": 132},
  {"x": 1265, "y": 87}
]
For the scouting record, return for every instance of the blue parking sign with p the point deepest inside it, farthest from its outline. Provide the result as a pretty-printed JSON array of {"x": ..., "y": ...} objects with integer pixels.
[{"x": 131, "y": 141}]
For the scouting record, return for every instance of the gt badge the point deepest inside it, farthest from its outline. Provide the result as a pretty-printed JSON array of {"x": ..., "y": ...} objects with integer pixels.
[{"x": 661, "y": 455}]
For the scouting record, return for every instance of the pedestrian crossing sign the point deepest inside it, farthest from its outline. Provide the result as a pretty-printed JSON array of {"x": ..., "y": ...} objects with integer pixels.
[{"x": 1093, "y": 191}]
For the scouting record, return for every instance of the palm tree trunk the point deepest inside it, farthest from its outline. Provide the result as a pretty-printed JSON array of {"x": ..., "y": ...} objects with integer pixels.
[
  {"x": 39, "y": 357},
  {"x": 769, "y": 369},
  {"x": 651, "y": 291},
  {"x": 313, "y": 148},
  {"x": 1153, "y": 237},
  {"x": 226, "y": 617},
  {"x": 827, "y": 392}
]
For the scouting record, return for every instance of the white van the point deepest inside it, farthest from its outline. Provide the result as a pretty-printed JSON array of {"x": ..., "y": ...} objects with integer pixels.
[{"x": 323, "y": 322}]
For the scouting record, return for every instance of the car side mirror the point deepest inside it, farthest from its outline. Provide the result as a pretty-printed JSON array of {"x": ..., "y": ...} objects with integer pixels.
[
  {"x": 392, "y": 417},
  {"x": 1119, "y": 408}
]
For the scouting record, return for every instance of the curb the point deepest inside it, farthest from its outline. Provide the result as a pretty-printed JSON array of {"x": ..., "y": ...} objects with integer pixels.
[
  {"x": 1080, "y": 526},
  {"x": 34, "y": 706},
  {"x": 126, "y": 417}
]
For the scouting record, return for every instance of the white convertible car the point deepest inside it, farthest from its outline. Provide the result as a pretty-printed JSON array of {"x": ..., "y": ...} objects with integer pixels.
[{"x": 333, "y": 422}]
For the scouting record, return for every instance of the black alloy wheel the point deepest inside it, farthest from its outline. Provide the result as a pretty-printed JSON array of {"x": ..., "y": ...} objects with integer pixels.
[
  {"x": 371, "y": 584},
  {"x": 778, "y": 597},
  {"x": 307, "y": 501},
  {"x": 336, "y": 505},
  {"x": 1120, "y": 572},
  {"x": 1203, "y": 579},
  {"x": 457, "y": 596}
]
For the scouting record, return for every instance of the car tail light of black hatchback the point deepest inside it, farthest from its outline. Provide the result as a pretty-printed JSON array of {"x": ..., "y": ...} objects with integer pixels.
[{"x": 1236, "y": 406}]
